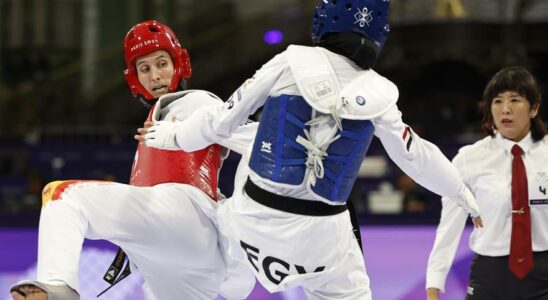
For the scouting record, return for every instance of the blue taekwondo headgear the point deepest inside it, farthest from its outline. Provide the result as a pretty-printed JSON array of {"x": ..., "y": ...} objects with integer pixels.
[{"x": 368, "y": 18}]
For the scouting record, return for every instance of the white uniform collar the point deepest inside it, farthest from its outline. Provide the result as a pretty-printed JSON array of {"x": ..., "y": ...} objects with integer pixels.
[{"x": 506, "y": 144}]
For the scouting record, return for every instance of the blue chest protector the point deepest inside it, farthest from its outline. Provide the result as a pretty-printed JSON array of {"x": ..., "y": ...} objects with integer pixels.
[{"x": 277, "y": 156}]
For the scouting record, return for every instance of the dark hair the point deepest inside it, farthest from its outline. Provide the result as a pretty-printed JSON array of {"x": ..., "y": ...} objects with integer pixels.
[{"x": 521, "y": 81}]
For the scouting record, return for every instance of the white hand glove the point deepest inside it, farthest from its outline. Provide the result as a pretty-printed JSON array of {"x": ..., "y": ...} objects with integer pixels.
[
  {"x": 467, "y": 201},
  {"x": 161, "y": 135}
]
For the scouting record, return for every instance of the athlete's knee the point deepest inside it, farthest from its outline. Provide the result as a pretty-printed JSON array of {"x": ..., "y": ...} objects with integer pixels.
[{"x": 53, "y": 190}]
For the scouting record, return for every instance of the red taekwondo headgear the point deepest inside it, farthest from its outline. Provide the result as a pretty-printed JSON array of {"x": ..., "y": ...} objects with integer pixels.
[{"x": 145, "y": 38}]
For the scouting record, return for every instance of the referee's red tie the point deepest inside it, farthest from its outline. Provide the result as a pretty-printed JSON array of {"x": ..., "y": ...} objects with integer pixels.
[{"x": 521, "y": 246}]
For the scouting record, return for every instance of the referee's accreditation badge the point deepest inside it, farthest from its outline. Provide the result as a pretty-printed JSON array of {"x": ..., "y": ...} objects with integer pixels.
[{"x": 538, "y": 186}]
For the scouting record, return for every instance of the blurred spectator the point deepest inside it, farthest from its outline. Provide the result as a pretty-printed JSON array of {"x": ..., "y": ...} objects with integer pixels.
[
  {"x": 413, "y": 200},
  {"x": 385, "y": 200},
  {"x": 202, "y": 11},
  {"x": 416, "y": 199},
  {"x": 32, "y": 197}
]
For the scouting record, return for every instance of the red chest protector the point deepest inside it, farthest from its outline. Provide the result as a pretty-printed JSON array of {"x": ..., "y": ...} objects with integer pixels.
[{"x": 152, "y": 166}]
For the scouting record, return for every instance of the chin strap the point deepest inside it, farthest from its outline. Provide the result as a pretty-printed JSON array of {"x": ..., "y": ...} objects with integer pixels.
[{"x": 145, "y": 102}]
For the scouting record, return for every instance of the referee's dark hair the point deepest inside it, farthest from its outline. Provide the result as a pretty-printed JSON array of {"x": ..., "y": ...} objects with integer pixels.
[{"x": 516, "y": 79}]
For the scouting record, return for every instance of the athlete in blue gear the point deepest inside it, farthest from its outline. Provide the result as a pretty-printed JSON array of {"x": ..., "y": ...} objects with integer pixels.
[{"x": 322, "y": 105}]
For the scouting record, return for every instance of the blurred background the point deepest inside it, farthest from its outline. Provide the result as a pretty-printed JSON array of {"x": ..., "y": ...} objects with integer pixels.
[{"x": 67, "y": 112}]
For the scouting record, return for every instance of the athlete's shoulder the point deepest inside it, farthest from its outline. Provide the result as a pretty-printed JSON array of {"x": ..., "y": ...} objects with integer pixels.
[
  {"x": 386, "y": 88},
  {"x": 294, "y": 47},
  {"x": 369, "y": 95},
  {"x": 201, "y": 97},
  {"x": 279, "y": 60},
  {"x": 301, "y": 52},
  {"x": 183, "y": 103}
]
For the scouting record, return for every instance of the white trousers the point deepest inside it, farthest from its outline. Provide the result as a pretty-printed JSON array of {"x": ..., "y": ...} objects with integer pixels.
[
  {"x": 168, "y": 232},
  {"x": 286, "y": 250}
]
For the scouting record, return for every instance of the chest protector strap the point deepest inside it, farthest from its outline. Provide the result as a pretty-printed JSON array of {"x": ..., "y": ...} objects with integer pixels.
[{"x": 314, "y": 76}]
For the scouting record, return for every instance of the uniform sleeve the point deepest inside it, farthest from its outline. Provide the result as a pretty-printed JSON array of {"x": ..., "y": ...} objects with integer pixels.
[
  {"x": 448, "y": 234},
  {"x": 241, "y": 138},
  {"x": 418, "y": 158},
  {"x": 214, "y": 124}
]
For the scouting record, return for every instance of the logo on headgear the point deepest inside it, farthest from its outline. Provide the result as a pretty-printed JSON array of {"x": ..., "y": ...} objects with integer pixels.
[
  {"x": 360, "y": 100},
  {"x": 142, "y": 44},
  {"x": 363, "y": 17}
]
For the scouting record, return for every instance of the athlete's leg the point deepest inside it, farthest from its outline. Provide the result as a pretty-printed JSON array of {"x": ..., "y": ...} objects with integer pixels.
[
  {"x": 349, "y": 280},
  {"x": 61, "y": 234},
  {"x": 239, "y": 280},
  {"x": 158, "y": 226},
  {"x": 177, "y": 252}
]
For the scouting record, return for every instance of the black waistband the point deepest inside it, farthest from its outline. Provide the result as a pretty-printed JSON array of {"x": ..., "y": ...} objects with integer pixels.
[
  {"x": 291, "y": 205},
  {"x": 536, "y": 254}
]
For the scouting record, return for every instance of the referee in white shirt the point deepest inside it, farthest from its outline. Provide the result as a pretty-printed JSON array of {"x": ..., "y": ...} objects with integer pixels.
[{"x": 510, "y": 184}]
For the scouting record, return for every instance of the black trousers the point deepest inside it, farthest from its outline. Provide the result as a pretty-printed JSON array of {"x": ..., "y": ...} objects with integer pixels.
[{"x": 491, "y": 279}]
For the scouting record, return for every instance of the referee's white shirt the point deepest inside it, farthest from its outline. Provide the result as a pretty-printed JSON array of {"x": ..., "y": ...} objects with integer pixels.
[{"x": 486, "y": 168}]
